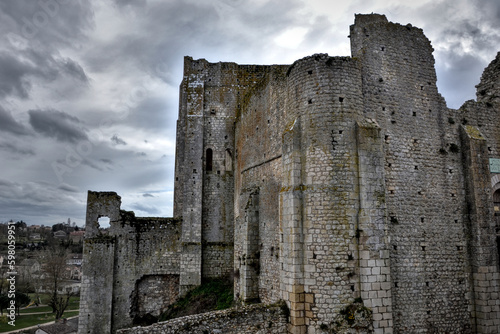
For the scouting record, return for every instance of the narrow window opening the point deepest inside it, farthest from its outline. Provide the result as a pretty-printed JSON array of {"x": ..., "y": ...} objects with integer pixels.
[
  {"x": 310, "y": 101},
  {"x": 209, "y": 160},
  {"x": 341, "y": 99}
]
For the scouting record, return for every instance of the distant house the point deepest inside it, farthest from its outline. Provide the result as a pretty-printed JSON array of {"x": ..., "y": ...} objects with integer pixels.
[
  {"x": 74, "y": 273},
  {"x": 35, "y": 236},
  {"x": 77, "y": 236},
  {"x": 29, "y": 268},
  {"x": 75, "y": 259},
  {"x": 34, "y": 228},
  {"x": 60, "y": 234}
]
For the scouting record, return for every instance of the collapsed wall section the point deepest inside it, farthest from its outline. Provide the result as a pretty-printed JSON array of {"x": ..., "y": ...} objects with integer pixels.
[
  {"x": 481, "y": 157},
  {"x": 120, "y": 263},
  {"x": 212, "y": 95},
  {"x": 257, "y": 185}
]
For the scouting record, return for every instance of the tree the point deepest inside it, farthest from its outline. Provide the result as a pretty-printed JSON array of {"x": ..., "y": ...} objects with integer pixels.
[
  {"x": 22, "y": 300},
  {"x": 4, "y": 303},
  {"x": 54, "y": 267}
]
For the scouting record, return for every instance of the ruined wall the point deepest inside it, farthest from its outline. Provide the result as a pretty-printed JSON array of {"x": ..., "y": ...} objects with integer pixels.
[
  {"x": 257, "y": 186},
  {"x": 480, "y": 149},
  {"x": 211, "y": 99},
  {"x": 342, "y": 185},
  {"x": 253, "y": 319},
  {"x": 424, "y": 177},
  {"x": 135, "y": 254}
]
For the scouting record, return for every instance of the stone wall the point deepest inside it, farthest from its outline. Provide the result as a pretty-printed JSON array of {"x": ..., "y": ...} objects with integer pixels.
[
  {"x": 342, "y": 185},
  {"x": 424, "y": 177},
  {"x": 133, "y": 255},
  {"x": 254, "y": 319},
  {"x": 257, "y": 186}
]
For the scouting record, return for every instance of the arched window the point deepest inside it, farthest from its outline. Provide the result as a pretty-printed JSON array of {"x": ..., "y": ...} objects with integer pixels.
[
  {"x": 496, "y": 201},
  {"x": 209, "y": 160}
]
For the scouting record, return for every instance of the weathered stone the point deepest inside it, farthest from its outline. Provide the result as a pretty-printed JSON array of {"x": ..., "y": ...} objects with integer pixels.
[{"x": 336, "y": 184}]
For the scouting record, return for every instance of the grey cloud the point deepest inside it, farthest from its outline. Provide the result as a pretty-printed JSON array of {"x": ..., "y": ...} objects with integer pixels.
[
  {"x": 147, "y": 195},
  {"x": 68, "y": 188},
  {"x": 135, "y": 3},
  {"x": 145, "y": 208},
  {"x": 9, "y": 124},
  {"x": 151, "y": 113},
  {"x": 47, "y": 23},
  {"x": 32, "y": 33},
  {"x": 58, "y": 125},
  {"x": 16, "y": 150},
  {"x": 14, "y": 76},
  {"x": 73, "y": 69},
  {"x": 107, "y": 161},
  {"x": 193, "y": 29},
  {"x": 118, "y": 141},
  {"x": 34, "y": 202}
]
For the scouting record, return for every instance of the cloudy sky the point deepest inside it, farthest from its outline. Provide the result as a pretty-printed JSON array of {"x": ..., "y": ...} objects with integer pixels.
[{"x": 89, "y": 88}]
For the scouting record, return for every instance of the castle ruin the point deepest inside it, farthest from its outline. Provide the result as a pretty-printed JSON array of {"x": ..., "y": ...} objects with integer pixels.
[{"x": 327, "y": 183}]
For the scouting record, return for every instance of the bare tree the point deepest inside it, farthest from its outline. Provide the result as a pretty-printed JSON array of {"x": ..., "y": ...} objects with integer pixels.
[{"x": 55, "y": 270}]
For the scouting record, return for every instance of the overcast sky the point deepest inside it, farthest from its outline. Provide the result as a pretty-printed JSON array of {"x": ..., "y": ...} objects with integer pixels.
[{"x": 89, "y": 88}]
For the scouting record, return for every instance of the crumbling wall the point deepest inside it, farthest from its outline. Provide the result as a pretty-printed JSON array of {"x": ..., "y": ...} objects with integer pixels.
[
  {"x": 253, "y": 319},
  {"x": 342, "y": 185},
  {"x": 425, "y": 178},
  {"x": 117, "y": 260},
  {"x": 480, "y": 141},
  {"x": 257, "y": 186}
]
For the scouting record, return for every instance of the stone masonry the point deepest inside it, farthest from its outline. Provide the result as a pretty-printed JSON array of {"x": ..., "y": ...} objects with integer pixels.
[{"x": 343, "y": 186}]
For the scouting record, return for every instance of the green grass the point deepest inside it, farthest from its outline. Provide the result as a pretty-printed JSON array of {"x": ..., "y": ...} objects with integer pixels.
[
  {"x": 74, "y": 304},
  {"x": 215, "y": 294},
  {"x": 23, "y": 321}
]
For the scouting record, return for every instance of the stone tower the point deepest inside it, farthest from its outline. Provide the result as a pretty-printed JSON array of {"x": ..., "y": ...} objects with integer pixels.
[{"x": 342, "y": 185}]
